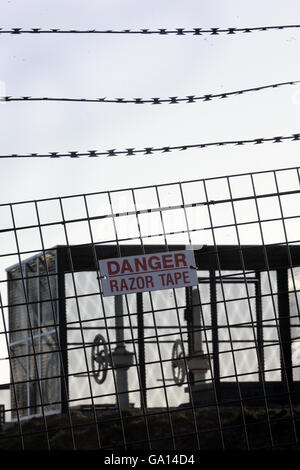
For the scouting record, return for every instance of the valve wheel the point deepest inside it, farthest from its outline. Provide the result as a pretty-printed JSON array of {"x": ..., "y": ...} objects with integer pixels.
[
  {"x": 100, "y": 359},
  {"x": 178, "y": 364}
]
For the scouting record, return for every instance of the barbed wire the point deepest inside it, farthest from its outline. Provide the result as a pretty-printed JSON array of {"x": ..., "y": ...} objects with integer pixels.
[
  {"x": 151, "y": 150},
  {"x": 170, "y": 100},
  {"x": 159, "y": 31}
]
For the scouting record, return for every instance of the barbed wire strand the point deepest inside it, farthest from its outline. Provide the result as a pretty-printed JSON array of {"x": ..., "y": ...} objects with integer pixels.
[
  {"x": 152, "y": 150},
  {"x": 159, "y": 31},
  {"x": 171, "y": 100}
]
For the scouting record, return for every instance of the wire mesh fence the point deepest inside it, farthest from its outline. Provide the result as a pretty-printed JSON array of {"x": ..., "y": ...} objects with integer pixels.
[{"x": 212, "y": 364}]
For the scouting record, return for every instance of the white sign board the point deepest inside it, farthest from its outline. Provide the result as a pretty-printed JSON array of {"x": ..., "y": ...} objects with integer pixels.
[{"x": 145, "y": 273}]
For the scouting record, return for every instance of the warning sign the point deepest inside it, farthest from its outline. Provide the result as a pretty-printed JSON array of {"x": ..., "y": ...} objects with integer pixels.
[{"x": 145, "y": 273}]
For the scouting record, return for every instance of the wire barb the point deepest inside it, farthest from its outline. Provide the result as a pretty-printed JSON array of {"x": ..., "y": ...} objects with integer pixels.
[
  {"x": 161, "y": 31},
  {"x": 151, "y": 150},
  {"x": 156, "y": 100}
]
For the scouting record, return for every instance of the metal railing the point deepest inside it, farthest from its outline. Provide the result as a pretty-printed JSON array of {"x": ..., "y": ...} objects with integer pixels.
[{"x": 215, "y": 365}]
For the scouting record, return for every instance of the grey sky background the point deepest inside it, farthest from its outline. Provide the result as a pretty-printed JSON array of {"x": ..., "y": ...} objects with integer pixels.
[{"x": 143, "y": 66}]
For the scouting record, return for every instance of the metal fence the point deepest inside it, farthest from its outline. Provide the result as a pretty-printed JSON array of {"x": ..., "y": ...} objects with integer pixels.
[{"x": 210, "y": 366}]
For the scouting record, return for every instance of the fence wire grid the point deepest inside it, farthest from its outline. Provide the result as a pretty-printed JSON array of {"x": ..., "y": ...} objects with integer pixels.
[{"x": 210, "y": 366}]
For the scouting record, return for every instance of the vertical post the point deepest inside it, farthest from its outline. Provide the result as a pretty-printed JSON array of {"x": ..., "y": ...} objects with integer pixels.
[
  {"x": 284, "y": 326},
  {"x": 188, "y": 316},
  {"x": 197, "y": 341},
  {"x": 141, "y": 346},
  {"x": 121, "y": 358},
  {"x": 119, "y": 321},
  {"x": 39, "y": 323},
  {"x": 259, "y": 321},
  {"x": 197, "y": 360},
  {"x": 25, "y": 286},
  {"x": 61, "y": 319},
  {"x": 214, "y": 324}
]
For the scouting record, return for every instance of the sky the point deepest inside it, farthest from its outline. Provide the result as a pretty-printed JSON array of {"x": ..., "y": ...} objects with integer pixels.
[{"x": 89, "y": 66}]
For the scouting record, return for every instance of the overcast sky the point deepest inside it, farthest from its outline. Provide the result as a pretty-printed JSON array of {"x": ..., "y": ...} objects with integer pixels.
[{"x": 88, "y": 66}]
